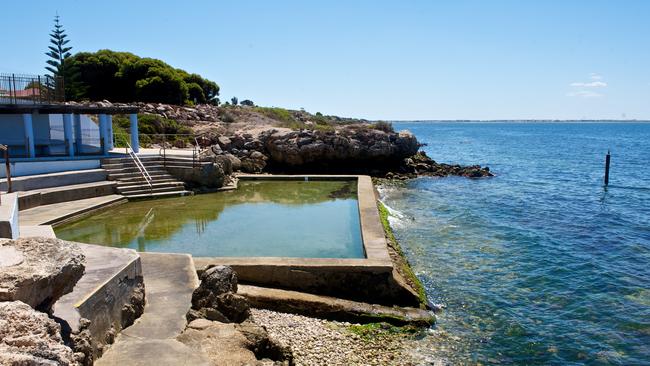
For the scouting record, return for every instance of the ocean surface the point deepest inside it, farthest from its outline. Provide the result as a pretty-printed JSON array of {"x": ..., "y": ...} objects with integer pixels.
[{"x": 539, "y": 265}]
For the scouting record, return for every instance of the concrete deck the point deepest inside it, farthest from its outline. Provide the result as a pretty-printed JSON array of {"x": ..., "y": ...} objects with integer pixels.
[
  {"x": 169, "y": 280},
  {"x": 30, "y": 231},
  {"x": 58, "y": 212}
]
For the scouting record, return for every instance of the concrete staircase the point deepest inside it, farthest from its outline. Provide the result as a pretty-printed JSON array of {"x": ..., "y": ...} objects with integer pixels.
[{"x": 133, "y": 185}]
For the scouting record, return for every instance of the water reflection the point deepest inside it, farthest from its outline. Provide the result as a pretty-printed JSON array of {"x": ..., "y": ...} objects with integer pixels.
[{"x": 322, "y": 213}]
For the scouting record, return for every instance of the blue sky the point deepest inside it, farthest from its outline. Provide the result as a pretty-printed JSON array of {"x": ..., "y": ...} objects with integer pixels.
[{"x": 374, "y": 59}]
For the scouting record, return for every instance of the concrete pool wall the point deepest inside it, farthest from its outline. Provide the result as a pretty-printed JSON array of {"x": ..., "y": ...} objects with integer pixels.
[{"x": 368, "y": 279}]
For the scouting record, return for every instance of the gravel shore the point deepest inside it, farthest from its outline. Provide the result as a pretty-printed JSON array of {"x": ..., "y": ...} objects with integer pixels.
[{"x": 321, "y": 342}]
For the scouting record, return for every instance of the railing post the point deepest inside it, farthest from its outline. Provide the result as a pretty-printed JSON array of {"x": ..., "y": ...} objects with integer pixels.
[{"x": 13, "y": 77}]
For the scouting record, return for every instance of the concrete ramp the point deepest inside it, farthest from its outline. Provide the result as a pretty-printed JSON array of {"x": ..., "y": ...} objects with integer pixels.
[{"x": 169, "y": 281}]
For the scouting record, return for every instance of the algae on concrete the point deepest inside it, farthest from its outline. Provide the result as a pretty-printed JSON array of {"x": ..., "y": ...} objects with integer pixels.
[{"x": 402, "y": 264}]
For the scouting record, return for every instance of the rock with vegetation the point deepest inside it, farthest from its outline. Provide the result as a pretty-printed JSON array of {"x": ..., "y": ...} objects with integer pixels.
[
  {"x": 45, "y": 270},
  {"x": 30, "y": 337}
]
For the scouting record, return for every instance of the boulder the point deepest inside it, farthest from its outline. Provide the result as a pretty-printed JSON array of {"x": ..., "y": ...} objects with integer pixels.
[
  {"x": 216, "y": 298},
  {"x": 47, "y": 269},
  {"x": 234, "y": 161},
  {"x": 224, "y": 142},
  {"x": 29, "y": 337}
]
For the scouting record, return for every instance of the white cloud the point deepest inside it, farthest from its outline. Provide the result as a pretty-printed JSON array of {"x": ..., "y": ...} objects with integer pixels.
[
  {"x": 584, "y": 94},
  {"x": 594, "y": 76},
  {"x": 593, "y": 84}
]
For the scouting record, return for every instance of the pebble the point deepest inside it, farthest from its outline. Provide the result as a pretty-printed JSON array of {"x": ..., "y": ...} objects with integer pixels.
[{"x": 321, "y": 342}]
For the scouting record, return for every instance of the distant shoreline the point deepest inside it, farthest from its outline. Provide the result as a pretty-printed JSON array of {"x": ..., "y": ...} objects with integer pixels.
[{"x": 523, "y": 121}]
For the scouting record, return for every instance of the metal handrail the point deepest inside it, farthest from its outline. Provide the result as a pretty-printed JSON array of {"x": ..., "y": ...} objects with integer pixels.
[{"x": 139, "y": 165}]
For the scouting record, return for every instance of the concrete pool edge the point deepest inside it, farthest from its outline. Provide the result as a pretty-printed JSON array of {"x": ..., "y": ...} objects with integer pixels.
[{"x": 366, "y": 279}]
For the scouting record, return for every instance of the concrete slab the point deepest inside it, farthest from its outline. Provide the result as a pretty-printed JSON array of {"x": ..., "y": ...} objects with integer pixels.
[
  {"x": 9, "y": 228},
  {"x": 58, "y": 212},
  {"x": 154, "y": 352},
  {"x": 333, "y": 308},
  {"x": 30, "y": 231}
]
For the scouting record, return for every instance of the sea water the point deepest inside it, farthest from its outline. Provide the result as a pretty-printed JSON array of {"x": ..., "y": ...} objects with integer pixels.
[{"x": 540, "y": 264}]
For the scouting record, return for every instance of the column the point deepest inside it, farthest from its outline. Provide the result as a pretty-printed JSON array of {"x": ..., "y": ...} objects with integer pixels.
[
  {"x": 135, "y": 139},
  {"x": 67, "y": 133},
  {"x": 29, "y": 135},
  {"x": 77, "y": 134},
  {"x": 109, "y": 126},
  {"x": 103, "y": 121}
]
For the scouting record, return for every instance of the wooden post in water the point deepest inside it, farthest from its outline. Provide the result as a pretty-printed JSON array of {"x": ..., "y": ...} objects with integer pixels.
[{"x": 607, "y": 159}]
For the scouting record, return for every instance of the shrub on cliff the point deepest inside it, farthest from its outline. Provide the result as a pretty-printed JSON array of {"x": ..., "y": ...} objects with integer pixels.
[
  {"x": 125, "y": 77},
  {"x": 384, "y": 126},
  {"x": 151, "y": 129}
]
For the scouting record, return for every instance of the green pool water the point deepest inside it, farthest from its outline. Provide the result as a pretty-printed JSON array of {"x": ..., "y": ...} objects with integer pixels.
[{"x": 314, "y": 219}]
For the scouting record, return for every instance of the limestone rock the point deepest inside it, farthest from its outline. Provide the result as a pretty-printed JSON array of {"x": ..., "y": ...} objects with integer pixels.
[
  {"x": 216, "y": 298},
  {"x": 29, "y": 337},
  {"x": 215, "y": 281},
  {"x": 49, "y": 269}
]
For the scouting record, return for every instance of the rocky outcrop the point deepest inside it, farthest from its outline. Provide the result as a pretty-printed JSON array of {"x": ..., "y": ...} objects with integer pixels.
[
  {"x": 29, "y": 337},
  {"x": 420, "y": 164},
  {"x": 44, "y": 270},
  {"x": 354, "y": 149},
  {"x": 221, "y": 326}
]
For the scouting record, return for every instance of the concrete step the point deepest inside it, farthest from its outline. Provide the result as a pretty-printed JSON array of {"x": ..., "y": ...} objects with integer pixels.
[
  {"x": 134, "y": 187},
  {"x": 328, "y": 307},
  {"x": 127, "y": 159},
  {"x": 48, "y": 196},
  {"x": 134, "y": 169},
  {"x": 59, "y": 212},
  {"x": 169, "y": 281},
  {"x": 146, "y": 190},
  {"x": 138, "y": 175},
  {"x": 132, "y": 182},
  {"x": 39, "y": 181},
  {"x": 160, "y": 195}
]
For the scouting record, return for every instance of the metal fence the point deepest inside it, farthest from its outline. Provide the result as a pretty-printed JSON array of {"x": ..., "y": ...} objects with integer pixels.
[{"x": 31, "y": 89}]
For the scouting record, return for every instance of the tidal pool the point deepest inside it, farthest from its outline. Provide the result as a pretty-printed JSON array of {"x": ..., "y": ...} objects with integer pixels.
[{"x": 305, "y": 219}]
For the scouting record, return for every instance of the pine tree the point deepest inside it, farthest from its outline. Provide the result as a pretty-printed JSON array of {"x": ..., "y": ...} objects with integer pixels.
[{"x": 58, "y": 52}]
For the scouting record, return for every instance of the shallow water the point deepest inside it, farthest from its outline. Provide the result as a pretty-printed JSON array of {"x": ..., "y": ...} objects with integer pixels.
[
  {"x": 540, "y": 264},
  {"x": 315, "y": 219}
]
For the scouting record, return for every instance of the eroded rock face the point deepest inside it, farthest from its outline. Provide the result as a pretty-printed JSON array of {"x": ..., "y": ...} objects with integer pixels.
[
  {"x": 48, "y": 269},
  {"x": 29, "y": 337}
]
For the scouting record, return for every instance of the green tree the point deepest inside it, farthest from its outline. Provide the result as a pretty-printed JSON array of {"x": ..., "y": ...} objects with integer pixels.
[
  {"x": 125, "y": 77},
  {"x": 234, "y": 100},
  {"x": 247, "y": 102},
  {"x": 58, "y": 50}
]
